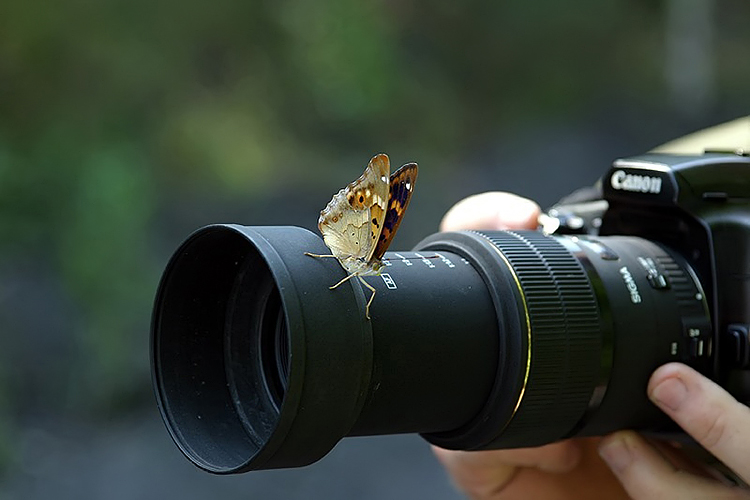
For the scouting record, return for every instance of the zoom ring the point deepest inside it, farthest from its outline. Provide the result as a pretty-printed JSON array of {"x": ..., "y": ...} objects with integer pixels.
[{"x": 565, "y": 341}]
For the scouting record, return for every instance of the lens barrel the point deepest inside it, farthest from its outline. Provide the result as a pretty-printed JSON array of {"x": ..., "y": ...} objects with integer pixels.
[{"x": 476, "y": 341}]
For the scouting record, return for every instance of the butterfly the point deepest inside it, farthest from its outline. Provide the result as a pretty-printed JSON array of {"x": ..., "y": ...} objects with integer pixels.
[{"x": 360, "y": 221}]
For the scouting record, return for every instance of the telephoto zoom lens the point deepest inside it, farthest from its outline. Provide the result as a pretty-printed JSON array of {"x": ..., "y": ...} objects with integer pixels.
[{"x": 477, "y": 340}]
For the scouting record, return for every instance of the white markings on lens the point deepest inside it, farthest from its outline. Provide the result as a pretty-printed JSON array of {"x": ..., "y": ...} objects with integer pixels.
[
  {"x": 425, "y": 261},
  {"x": 445, "y": 260},
  {"x": 404, "y": 260},
  {"x": 630, "y": 284},
  {"x": 389, "y": 283}
]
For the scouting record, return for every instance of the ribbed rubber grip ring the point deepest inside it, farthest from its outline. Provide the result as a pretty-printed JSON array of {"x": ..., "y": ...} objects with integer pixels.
[{"x": 565, "y": 328}]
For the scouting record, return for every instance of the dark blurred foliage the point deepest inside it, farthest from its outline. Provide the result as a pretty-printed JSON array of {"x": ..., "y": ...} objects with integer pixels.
[{"x": 126, "y": 124}]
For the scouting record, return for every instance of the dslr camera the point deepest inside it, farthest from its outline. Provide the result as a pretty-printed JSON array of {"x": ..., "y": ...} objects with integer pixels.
[{"x": 477, "y": 339}]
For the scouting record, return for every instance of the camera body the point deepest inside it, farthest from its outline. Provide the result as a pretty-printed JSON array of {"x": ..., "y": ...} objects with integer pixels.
[{"x": 699, "y": 207}]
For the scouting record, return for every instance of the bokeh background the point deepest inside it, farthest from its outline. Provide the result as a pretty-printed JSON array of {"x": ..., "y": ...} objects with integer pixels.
[{"x": 124, "y": 125}]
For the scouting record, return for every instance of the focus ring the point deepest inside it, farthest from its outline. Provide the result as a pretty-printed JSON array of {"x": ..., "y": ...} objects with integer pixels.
[{"x": 565, "y": 339}]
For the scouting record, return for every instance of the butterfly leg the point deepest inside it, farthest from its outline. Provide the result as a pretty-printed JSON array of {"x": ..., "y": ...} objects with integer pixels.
[
  {"x": 348, "y": 277},
  {"x": 317, "y": 255},
  {"x": 367, "y": 308}
]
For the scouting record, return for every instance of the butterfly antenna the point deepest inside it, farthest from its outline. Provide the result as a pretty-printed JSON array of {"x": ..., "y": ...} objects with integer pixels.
[{"x": 367, "y": 308}]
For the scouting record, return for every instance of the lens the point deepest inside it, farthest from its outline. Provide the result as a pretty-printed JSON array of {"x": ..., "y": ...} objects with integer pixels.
[
  {"x": 274, "y": 347},
  {"x": 476, "y": 341},
  {"x": 280, "y": 357}
]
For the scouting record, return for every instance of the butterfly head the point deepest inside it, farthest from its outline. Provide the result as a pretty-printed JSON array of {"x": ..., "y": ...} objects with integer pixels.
[{"x": 374, "y": 264}]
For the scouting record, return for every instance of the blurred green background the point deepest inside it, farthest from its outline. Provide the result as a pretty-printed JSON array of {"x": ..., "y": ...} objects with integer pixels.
[{"x": 124, "y": 125}]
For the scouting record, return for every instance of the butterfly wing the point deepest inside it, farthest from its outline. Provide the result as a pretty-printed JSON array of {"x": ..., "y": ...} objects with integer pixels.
[
  {"x": 352, "y": 221},
  {"x": 401, "y": 187}
]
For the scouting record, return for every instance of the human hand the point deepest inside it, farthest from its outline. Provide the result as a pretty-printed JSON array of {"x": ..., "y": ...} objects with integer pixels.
[
  {"x": 716, "y": 420},
  {"x": 573, "y": 468}
]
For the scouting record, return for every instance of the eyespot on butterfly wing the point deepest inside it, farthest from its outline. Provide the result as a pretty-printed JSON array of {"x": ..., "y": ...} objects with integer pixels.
[{"x": 351, "y": 222}]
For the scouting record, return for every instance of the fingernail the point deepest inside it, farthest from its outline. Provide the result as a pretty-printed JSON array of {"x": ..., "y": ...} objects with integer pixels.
[
  {"x": 616, "y": 453},
  {"x": 670, "y": 393}
]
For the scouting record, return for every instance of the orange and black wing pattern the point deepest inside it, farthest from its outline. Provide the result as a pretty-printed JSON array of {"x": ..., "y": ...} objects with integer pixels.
[{"x": 402, "y": 186}]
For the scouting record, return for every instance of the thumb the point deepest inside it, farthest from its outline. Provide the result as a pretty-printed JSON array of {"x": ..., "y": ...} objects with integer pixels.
[{"x": 492, "y": 211}]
